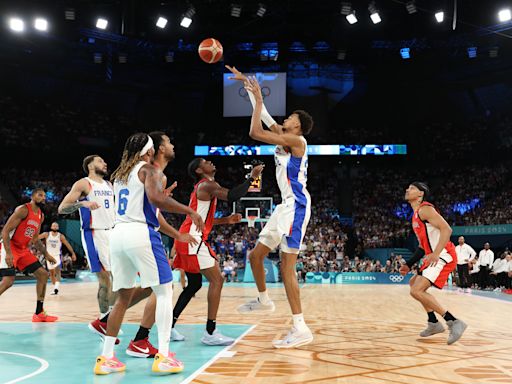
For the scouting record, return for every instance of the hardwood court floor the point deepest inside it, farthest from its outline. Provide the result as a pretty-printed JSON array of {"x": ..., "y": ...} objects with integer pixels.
[{"x": 363, "y": 334}]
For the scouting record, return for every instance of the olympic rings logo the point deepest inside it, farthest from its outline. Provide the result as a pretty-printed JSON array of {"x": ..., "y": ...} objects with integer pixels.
[
  {"x": 396, "y": 278},
  {"x": 242, "y": 92}
]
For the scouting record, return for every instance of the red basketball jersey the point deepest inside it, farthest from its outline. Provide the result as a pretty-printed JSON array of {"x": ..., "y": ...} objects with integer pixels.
[
  {"x": 28, "y": 227},
  {"x": 428, "y": 235},
  {"x": 207, "y": 211}
]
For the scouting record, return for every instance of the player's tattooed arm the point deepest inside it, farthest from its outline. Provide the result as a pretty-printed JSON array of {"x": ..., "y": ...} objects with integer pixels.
[{"x": 70, "y": 204}]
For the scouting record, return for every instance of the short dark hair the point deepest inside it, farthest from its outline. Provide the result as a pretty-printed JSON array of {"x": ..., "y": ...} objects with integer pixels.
[
  {"x": 192, "y": 167},
  {"x": 88, "y": 160},
  {"x": 306, "y": 121},
  {"x": 158, "y": 138},
  {"x": 37, "y": 190},
  {"x": 422, "y": 187}
]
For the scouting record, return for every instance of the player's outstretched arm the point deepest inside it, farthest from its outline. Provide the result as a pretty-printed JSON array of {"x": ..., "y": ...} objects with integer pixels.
[
  {"x": 169, "y": 230},
  {"x": 265, "y": 116},
  {"x": 258, "y": 133},
  {"x": 152, "y": 179},
  {"x": 19, "y": 214},
  {"x": 235, "y": 218},
  {"x": 70, "y": 202}
]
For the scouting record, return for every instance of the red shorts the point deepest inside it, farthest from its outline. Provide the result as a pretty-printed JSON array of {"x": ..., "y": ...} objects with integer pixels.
[
  {"x": 23, "y": 258},
  {"x": 204, "y": 259},
  {"x": 438, "y": 274}
]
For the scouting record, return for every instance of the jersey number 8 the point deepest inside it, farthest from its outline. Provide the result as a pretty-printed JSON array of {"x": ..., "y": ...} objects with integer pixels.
[{"x": 123, "y": 201}]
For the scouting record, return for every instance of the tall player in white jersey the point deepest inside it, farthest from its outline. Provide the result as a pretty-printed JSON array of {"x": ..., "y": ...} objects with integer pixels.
[
  {"x": 136, "y": 248},
  {"x": 94, "y": 198},
  {"x": 54, "y": 240},
  {"x": 287, "y": 225}
]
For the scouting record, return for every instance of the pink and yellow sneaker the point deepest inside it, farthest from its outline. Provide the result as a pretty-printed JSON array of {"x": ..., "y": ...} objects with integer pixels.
[
  {"x": 165, "y": 365},
  {"x": 43, "y": 317},
  {"x": 105, "y": 366}
]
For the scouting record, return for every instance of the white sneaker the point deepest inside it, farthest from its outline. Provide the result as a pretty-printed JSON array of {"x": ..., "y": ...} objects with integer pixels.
[
  {"x": 294, "y": 339},
  {"x": 256, "y": 306},
  {"x": 216, "y": 338},
  {"x": 176, "y": 336},
  {"x": 468, "y": 290}
]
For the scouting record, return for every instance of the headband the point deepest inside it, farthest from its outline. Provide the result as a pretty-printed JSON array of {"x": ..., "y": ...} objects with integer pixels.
[{"x": 147, "y": 147}]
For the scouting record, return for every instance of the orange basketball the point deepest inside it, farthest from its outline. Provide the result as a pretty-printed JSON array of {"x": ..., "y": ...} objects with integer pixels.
[{"x": 210, "y": 50}]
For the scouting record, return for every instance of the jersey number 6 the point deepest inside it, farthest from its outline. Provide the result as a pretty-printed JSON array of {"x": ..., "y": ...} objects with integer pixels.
[{"x": 123, "y": 201}]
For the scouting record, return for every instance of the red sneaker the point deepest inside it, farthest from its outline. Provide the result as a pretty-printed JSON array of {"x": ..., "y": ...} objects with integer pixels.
[
  {"x": 43, "y": 318},
  {"x": 141, "y": 348},
  {"x": 99, "y": 328}
]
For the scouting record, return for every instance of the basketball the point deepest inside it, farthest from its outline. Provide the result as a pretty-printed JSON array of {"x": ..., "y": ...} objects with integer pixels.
[{"x": 210, "y": 50}]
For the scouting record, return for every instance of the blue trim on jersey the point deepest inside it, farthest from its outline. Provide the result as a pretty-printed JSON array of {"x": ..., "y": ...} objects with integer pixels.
[
  {"x": 85, "y": 216},
  {"x": 164, "y": 269},
  {"x": 301, "y": 201},
  {"x": 92, "y": 252},
  {"x": 150, "y": 212}
]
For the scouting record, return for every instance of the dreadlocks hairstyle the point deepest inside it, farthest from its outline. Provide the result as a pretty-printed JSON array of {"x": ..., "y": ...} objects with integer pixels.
[
  {"x": 131, "y": 156},
  {"x": 158, "y": 138}
]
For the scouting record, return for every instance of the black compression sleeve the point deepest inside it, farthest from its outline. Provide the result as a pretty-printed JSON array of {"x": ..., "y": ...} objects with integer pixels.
[
  {"x": 417, "y": 255},
  {"x": 240, "y": 190}
]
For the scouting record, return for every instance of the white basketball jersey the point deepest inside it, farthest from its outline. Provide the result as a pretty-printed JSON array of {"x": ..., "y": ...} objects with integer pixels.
[
  {"x": 103, "y": 217},
  {"x": 292, "y": 174},
  {"x": 132, "y": 204},
  {"x": 53, "y": 244}
]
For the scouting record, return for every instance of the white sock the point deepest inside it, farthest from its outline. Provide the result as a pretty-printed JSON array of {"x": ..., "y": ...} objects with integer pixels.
[
  {"x": 264, "y": 299},
  {"x": 299, "y": 323},
  {"x": 163, "y": 316},
  {"x": 57, "y": 285},
  {"x": 108, "y": 347}
]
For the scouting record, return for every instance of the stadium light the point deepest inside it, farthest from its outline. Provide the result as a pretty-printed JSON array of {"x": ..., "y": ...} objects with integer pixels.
[
  {"x": 352, "y": 19},
  {"x": 262, "y": 9},
  {"x": 405, "y": 53},
  {"x": 236, "y": 10},
  {"x": 16, "y": 24},
  {"x": 101, "y": 23},
  {"x": 161, "y": 22},
  {"x": 504, "y": 15},
  {"x": 41, "y": 24},
  {"x": 185, "y": 22},
  {"x": 374, "y": 13},
  {"x": 439, "y": 16},
  {"x": 411, "y": 7},
  {"x": 472, "y": 52}
]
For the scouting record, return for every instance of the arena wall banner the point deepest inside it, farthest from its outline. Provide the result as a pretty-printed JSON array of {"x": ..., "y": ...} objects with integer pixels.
[
  {"x": 479, "y": 230},
  {"x": 356, "y": 278}
]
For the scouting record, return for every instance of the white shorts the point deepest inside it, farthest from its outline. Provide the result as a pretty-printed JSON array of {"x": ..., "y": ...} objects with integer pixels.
[
  {"x": 57, "y": 264},
  {"x": 97, "y": 250},
  {"x": 199, "y": 257},
  {"x": 286, "y": 227},
  {"x": 136, "y": 248},
  {"x": 3, "y": 264},
  {"x": 438, "y": 274}
]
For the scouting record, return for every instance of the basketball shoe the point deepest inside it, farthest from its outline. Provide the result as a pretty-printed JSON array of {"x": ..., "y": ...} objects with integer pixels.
[
  {"x": 457, "y": 328},
  {"x": 105, "y": 366},
  {"x": 165, "y": 365},
  {"x": 256, "y": 306},
  {"x": 432, "y": 329},
  {"x": 294, "y": 339},
  {"x": 216, "y": 338},
  {"x": 141, "y": 348},
  {"x": 176, "y": 336},
  {"x": 43, "y": 317},
  {"x": 99, "y": 328}
]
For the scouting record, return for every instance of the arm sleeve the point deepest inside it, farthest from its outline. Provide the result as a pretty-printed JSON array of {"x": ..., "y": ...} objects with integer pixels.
[
  {"x": 265, "y": 116},
  {"x": 416, "y": 256},
  {"x": 240, "y": 190}
]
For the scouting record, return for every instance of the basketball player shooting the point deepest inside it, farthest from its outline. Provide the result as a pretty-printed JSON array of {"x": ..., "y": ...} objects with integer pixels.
[
  {"x": 287, "y": 225},
  {"x": 433, "y": 234}
]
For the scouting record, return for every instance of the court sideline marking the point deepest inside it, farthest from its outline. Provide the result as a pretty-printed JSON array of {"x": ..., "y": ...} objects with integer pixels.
[
  {"x": 44, "y": 366},
  {"x": 219, "y": 354}
]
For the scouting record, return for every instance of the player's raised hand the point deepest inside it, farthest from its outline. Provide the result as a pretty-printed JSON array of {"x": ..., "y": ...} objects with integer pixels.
[
  {"x": 237, "y": 74},
  {"x": 252, "y": 85},
  {"x": 168, "y": 191},
  {"x": 234, "y": 218},
  {"x": 257, "y": 170},
  {"x": 187, "y": 238},
  {"x": 197, "y": 220},
  {"x": 92, "y": 205}
]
